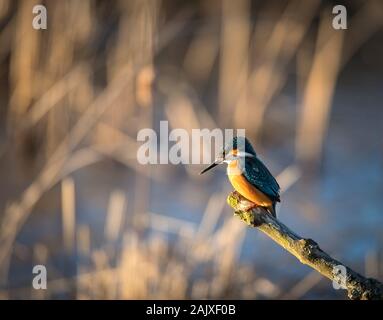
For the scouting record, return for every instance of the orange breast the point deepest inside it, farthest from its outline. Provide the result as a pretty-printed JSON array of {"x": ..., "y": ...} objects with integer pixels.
[{"x": 245, "y": 188}]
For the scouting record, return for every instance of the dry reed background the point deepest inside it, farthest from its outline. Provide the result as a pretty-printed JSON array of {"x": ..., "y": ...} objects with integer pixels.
[{"x": 74, "y": 96}]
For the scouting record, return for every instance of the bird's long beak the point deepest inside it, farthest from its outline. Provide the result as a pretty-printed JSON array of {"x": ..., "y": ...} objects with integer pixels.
[{"x": 214, "y": 164}]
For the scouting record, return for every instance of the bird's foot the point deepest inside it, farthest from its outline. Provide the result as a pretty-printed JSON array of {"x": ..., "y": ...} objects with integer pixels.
[
  {"x": 248, "y": 206},
  {"x": 246, "y": 210},
  {"x": 240, "y": 203}
]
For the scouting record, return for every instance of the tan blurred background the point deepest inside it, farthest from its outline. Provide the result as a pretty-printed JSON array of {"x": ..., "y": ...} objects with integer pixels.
[{"x": 73, "y": 97}]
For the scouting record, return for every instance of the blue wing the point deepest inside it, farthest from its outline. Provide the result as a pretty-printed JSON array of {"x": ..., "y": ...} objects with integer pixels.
[{"x": 258, "y": 175}]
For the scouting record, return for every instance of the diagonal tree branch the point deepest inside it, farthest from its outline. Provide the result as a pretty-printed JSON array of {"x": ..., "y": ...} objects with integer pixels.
[{"x": 306, "y": 251}]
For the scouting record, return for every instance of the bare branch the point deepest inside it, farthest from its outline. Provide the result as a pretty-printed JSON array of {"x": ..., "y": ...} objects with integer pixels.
[{"x": 306, "y": 250}]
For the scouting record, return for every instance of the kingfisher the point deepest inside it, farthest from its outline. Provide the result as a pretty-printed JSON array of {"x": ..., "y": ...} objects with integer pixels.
[{"x": 248, "y": 175}]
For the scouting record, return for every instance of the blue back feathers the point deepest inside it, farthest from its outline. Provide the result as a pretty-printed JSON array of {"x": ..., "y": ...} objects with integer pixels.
[{"x": 255, "y": 171}]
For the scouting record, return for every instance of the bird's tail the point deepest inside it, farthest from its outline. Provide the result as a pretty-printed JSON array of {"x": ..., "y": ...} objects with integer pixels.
[{"x": 272, "y": 210}]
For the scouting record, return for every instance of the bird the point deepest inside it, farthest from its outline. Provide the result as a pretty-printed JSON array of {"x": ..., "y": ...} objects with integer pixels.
[{"x": 248, "y": 175}]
